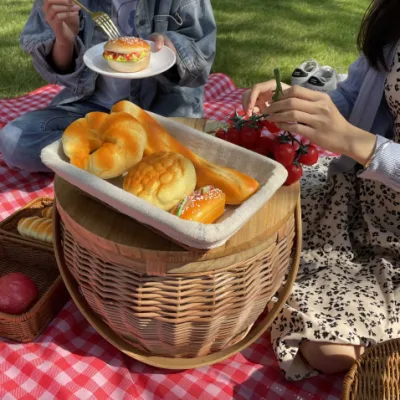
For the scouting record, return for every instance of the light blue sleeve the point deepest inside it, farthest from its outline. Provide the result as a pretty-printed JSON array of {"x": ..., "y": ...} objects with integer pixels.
[
  {"x": 37, "y": 39},
  {"x": 385, "y": 164},
  {"x": 347, "y": 91}
]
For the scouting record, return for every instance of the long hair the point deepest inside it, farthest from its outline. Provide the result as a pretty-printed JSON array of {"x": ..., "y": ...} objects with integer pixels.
[{"x": 380, "y": 27}]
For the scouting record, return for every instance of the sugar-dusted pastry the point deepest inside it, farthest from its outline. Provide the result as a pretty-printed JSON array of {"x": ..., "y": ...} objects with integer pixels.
[{"x": 205, "y": 205}]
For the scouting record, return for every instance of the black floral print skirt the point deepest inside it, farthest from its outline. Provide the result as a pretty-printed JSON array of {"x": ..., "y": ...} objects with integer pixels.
[{"x": 348, "y": 287}]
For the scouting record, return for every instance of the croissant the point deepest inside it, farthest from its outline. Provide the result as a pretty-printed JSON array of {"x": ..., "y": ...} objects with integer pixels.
[
  {"x": 36, "y": 228},
  {"x": 47, "y": 212},
  {"x": 237, "y": 186},
  {"x": 106, "y": 145}
]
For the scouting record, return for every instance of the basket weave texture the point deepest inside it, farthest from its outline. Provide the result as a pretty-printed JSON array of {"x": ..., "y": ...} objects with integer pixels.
[
  {"x": 37, "y": 261},
  {"x": 190, "y": 314},
  {"x": 375, "y": 375}
]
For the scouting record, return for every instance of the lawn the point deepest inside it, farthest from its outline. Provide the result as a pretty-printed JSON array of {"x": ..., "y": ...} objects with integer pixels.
[{"x": 254, "y": 36}]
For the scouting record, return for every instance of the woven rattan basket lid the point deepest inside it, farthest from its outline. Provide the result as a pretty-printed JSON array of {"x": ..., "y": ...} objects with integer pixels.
[
  {"x": 113, "y": 227},
  {"x": 375, "y": 375}
]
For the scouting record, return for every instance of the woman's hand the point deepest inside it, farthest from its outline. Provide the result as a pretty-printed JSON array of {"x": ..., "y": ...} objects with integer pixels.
[
  {"x": 162, "y": 40},
  {"x": 259, "y": 96},
  {"x": 63, "y": 18},
  {"x": 313, "y": 115}
]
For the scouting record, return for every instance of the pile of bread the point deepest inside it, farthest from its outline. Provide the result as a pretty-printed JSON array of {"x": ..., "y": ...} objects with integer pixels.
[
  {"x": 38, "y": 228},
  {"x": 155, "y": 167}
]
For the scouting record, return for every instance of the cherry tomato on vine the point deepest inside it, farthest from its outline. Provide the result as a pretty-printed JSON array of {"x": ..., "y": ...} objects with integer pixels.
[
  {"x": 233, "y": 136},
  {"x": 249, "y": 137},
  {"x": 284, "y": 153},
  {"x": 220, "y": 134},
  {"x": 265, "y": 144},
  {"x": 311, "y": 157},
  {"x": 295, "y": 172}
]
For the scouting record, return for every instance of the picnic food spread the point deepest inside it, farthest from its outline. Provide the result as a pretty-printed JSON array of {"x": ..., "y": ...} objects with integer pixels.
[
  {"x": 17, "y": 293},
  {"x": 35, "y": 227},
  {"x": 127, "y": 54},
  {"x": 205, "y": 205},
  {"x": 237, "y": 186},
  {"x": 110, "y": 145},
  {"x": 162, "y": 179}
]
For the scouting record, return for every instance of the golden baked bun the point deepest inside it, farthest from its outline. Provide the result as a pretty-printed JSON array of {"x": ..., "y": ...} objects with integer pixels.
[
  {"x": 47, "y": 212},
  {"x": 127, "y": 54},
  {"x": 162, "y": 179},
  {"x": 106, "y": 145},
  {"x": 237, "y": 186},
  {"x": 38, "y": 228}
]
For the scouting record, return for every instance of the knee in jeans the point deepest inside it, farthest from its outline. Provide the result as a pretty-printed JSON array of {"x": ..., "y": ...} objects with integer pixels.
[{"x": 19, "y": 152}]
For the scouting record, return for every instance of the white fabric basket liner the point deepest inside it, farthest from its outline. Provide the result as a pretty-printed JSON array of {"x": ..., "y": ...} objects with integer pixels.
[{"x": 270, "y": 174}]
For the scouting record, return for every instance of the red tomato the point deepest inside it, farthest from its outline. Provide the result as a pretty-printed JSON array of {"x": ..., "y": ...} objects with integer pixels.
[
  {"x": 233, "y": 136},
  {"x": 220, "y": 134},
  {"x": 295, "y": 172},
  {"x": 271, "y": 127},
  {"x": 266, "y": 144},
  {"x": 311, "y": 157},
  {"x": 260, "y": 150},
  {"x": 249, "y": 137},
  {"x": 284, "y": 153}
]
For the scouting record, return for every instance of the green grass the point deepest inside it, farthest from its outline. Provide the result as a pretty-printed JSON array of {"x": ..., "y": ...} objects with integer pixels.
[{"x": 254, "y": 36}]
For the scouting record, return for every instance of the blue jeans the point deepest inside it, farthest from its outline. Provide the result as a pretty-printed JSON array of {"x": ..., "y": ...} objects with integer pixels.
[{"x": 22, "y": 140}]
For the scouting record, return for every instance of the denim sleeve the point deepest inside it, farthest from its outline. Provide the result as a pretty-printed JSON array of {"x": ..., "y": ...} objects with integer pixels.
[
  {"x": 195, "y": 43},
  {"x": 385, "y": 164},
  {"x": 37, "y": 39},
  {"x": 347, "y": 91}
]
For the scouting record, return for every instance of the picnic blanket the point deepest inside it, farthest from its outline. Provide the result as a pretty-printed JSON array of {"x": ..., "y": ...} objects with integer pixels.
[{"x": 71, "y": 361}]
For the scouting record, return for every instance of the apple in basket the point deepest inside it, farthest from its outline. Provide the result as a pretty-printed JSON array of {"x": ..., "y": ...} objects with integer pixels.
[{"x": 17, "y": 293}]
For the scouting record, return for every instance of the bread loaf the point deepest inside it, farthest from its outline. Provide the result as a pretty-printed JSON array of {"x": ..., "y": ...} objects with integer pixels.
[
  {"x": 162, "y": 179},
  {"x": 237, "y": 186},
  {"x": 47, "y": 212},
  {"x": 38, "y": 228},
  {"x": 105, "y": 145}
]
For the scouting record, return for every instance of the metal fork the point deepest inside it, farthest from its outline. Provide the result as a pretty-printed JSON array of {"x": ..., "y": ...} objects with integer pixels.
[{"x": 102, "y": 20}]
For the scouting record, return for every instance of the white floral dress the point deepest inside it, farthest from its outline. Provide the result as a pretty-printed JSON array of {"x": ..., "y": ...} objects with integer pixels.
[{"x": 348, "y": 286}]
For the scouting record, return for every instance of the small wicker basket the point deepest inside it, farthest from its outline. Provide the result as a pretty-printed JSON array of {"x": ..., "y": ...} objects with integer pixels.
[
  {"x": 171, "y": 302},
  {"x": 375, "y": 375},
  {"x": 37, "y": 261}
]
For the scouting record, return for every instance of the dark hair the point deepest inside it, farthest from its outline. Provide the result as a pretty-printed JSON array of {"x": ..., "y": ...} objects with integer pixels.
[{"x": 380, "y": 27}]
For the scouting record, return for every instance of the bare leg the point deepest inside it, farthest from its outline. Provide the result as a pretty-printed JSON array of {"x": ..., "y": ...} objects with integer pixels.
[{"x": 330, "y": 358}]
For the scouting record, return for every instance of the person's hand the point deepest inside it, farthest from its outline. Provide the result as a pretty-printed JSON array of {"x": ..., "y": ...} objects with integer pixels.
[
  {"x": 63, "y": 18},
  {"x": 313, "y": 115},
  {"x": 162, "y": 40},
  {"x": 259, "y": 96}
]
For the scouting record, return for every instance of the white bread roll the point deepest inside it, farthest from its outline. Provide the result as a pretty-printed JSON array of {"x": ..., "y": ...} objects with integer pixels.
[
  {"x": 38, "y": 228},
  {"x": 162, "y": 179}
]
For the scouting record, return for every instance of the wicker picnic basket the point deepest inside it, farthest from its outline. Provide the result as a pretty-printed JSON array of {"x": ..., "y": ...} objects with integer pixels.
[
  {"x": 375, "y": 375},
  {"x": 36, "y": 260},
  {"x": 163, "y": 299}
]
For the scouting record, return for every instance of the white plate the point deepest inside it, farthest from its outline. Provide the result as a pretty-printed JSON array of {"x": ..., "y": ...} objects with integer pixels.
[{"x": 160, "y": 61}]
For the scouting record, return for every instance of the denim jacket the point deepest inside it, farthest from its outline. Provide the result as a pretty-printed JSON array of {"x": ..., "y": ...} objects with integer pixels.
[
  {"x": 189, "y": 24},
  {"x": 361, "y": 100}
]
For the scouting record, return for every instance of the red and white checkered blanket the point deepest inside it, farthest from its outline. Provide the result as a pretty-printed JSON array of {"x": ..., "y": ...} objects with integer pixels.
[{"x": 71, "y": 361}]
